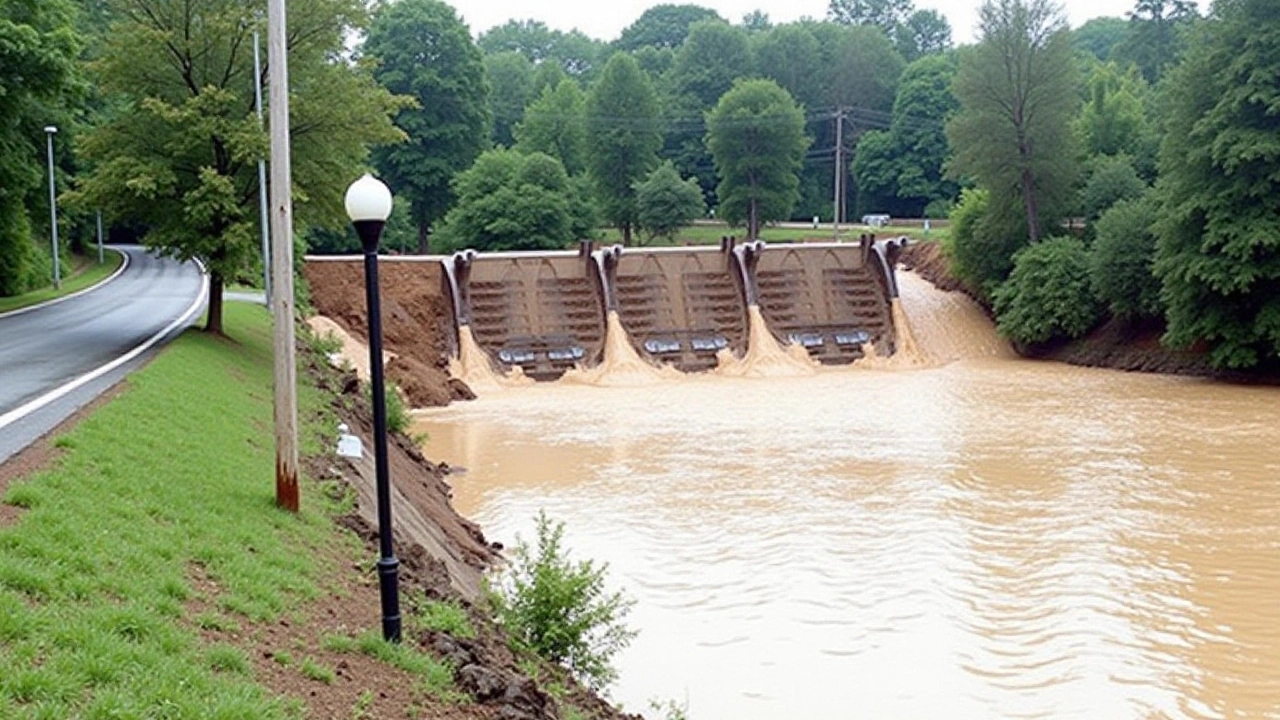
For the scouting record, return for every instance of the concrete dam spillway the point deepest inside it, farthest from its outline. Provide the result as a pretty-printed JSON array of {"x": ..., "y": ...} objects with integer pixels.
[{"x": 542, "y": 314}]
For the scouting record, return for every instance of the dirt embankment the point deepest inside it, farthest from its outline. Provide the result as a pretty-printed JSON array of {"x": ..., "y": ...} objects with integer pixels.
[
  {"x": 1116, "y": 344},
  {"x": 442, "y": 557},
  {"x": 417, "y": 326}
]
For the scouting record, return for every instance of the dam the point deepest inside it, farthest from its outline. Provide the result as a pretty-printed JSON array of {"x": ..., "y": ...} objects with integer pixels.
[{"x": 542, "y": 314}]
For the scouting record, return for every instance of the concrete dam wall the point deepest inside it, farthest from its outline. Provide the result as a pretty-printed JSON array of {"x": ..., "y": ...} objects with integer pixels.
[{"x": 548, "y": 312}]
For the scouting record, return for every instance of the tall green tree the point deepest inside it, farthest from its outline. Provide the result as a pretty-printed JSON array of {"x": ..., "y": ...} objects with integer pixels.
[
  {"x": 624, "y": 134},
  {"x": 531, "y": 38},
  {"x": 1017, "y": 96},
  {"x": 1218, "y": 255},
  {"x": 510, "y": 76},
  {"x": 38, "y": 47},
  {"x": 883, "y": 14},
  {"x": 924, "y": 32},
  {"x": 1113, "y": 118},
  {"x": 181, "y": 157},
  {"x": 711, "y": 58},
  {"x": 1157, "y": 35},
  {"x": 424, "y": 51},
  {"x": 510, "y": 200},
  {"x": 902, "y": 169},
  {"x": 555, "y": 124},
  {"x": 756, "y": 137},
  {"x": 664, "y": 25},
  {"x": 1100, "y": 37}
]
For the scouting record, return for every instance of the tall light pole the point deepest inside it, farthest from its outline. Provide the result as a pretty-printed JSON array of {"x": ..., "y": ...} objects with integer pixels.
[
  {"x": 262, "y": 174},
  {"x": 368, "y": 204},
  {"x": 50, "y": 131}
]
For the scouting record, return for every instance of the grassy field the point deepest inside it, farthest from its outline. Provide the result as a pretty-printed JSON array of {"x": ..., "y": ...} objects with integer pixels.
[
  {"x": 85, "y": 272},
  {"x": 161, "y": 485},
  {"x": 711, "y": 234}
]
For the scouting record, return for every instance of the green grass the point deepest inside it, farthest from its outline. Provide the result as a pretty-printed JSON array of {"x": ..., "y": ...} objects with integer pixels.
[
  {"x": 445, "y": 617},
  {"x": 314, "y": 670},
  {"x": 173, "y": 477},
  {"x": 434, "y": 677},
  {"x": 86, "y": 273}
]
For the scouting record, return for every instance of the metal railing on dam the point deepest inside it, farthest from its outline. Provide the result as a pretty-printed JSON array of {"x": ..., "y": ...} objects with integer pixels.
[{"x": 548, "y": 312}]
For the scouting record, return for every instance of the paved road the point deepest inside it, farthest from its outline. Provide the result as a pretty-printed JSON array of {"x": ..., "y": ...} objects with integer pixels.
[{"x": 43, "y": 350}]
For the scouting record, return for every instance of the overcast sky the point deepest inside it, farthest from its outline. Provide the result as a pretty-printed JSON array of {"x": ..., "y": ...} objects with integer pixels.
[{"x": 605, "y": 19}]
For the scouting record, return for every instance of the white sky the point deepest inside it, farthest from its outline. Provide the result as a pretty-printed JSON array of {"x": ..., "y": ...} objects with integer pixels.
[{"x": 605, "y": 19}]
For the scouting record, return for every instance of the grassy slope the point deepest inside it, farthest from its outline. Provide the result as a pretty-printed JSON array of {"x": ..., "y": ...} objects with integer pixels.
[
  {"x": 86, "y": 273},
  {"x": 173, "y": 479}
]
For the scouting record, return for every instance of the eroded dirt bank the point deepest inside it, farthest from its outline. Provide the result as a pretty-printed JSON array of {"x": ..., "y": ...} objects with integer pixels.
[{"x": 416, "y": 324}]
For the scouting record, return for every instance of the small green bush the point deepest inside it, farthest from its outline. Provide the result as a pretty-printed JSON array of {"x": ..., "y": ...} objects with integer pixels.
[
  {"x": 1121, "y": 264},
  {"x": 1048, "y": 295},
  {"x": 397, "y": 412},
  {"x": 983, "y": 241},
  {"x": 445, "y": 617},
  {"x": 559, "y": 609}
]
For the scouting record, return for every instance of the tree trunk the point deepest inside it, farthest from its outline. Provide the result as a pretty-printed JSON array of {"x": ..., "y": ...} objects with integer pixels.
[
  {"x": 213, "y": 323},
  {"x": 753, "y": 221},
  {"x": 424, "y": 239},
  {"x": 1029, "y": 199},
  {"x": 626, "y": 234}
]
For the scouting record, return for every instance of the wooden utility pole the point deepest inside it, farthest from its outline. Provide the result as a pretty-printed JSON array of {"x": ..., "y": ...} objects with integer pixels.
[
  {"x": 285, "y": 349},
  {"x": 838, "y": 202}
]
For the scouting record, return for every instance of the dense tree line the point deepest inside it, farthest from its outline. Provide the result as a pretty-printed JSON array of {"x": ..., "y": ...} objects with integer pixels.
[{"x": 1148, "y": 139}]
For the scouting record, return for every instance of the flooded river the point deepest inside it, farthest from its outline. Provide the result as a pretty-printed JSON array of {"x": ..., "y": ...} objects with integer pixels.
[{"x": 960, "y": 534}]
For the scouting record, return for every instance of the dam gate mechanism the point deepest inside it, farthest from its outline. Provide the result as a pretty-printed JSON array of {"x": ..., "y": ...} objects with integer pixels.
[{"x": 548, "y": 312}]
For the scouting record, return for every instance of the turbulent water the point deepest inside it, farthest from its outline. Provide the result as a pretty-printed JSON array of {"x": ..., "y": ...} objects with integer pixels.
[{"x": 950, "y": 532}]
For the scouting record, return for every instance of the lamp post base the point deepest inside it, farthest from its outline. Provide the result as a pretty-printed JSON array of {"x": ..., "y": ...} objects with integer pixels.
[{"x": 389, "y": 589}]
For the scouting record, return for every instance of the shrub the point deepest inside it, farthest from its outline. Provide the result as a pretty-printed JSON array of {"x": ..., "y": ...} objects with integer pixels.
[
  {"x": 1048, "y": 295},
  {"x": 1120, "y": 266},
  {"x": 1113, "y": 180},
  {"x": 982, "y": 243},
  {"x": 397, "y": 412},
  {"x": 559, "y": 610}
]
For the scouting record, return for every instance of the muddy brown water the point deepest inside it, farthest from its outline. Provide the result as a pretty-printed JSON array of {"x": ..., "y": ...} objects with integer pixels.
[{"x": 947, "y": 533}]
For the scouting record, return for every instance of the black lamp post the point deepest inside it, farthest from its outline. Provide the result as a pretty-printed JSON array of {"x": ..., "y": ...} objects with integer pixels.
[{"x": 368, "y": 205}]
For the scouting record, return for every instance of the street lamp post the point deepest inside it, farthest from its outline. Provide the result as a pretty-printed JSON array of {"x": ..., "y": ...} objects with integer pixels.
[
  {"x": 49, "y": 131},
  {"x": 368, "y": 204}
]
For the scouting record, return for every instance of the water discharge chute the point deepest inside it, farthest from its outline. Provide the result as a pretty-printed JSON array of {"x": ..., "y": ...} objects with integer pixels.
[{"x": 542, "y": 314}]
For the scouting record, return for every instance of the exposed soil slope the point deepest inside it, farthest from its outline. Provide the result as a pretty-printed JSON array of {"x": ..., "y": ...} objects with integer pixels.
[{"x": 417, "y": 326}]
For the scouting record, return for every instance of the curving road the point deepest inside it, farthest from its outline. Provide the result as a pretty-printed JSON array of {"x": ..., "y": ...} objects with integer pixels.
[{"x": 57, "y": 357}]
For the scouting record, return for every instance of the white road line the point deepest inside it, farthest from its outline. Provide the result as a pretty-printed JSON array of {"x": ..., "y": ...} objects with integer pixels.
[
  {"x": 21, "y": 412},
  {"x": 77, "y": 293}
]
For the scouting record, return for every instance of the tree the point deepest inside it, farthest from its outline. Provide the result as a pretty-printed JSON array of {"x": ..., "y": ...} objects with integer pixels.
[
  {"x": 756, "y": 137},
  {"x": 1219, "y": 189},
  {"x": 665, "y": 202},
  {"x": 1017, "y": 95},
  {"x": 980, "y": 251},
  {"x": 789, "y": 55},
  {"x": 509, "y": 200},
  {"x": 1121, "y": 265},
  {"x": 924, "y": 32},
  {"x": 1100, "y": 37},
  {"x": 623, "y": 131},
  {"x": 883, "y": 14},
  {"x": 1156, "y": 35},
  {"x": 555, "y": 124},
  {"x": 424, "y": 51},
  {"x": 1113, "y": 119},
  {"x": 1048, "y": 294},
  {"x": 38, "y": 47},
  {"x": 180, "y": 157},
  {"x": 756, "y": 21},
  {"x": 1112, "y": 180},
  {"x": 711, "y": 58},
  {"x": 663, "y": 26},
  {"x": 902, "y": 169},
  {"x": 531, "y": 38},
  {"x": 510, "y": 77}
]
